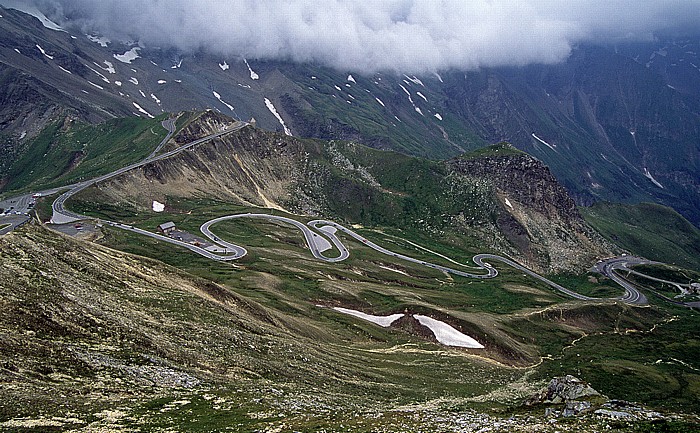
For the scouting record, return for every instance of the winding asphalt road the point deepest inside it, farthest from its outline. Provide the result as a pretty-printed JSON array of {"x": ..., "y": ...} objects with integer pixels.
[
  {"x": 317, "y": 241},
  {"x": 329, "y": 228}
]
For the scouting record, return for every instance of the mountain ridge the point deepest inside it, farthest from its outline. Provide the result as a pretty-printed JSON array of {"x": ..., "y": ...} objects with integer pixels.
[{"x": 604, "y": 121}]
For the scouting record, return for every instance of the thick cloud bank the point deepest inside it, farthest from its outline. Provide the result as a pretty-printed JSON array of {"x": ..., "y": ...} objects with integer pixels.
[{"x": 370, "y": 35}]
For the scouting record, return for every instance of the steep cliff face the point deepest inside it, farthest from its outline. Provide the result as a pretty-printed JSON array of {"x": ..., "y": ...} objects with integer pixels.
[{"x": 535, "y": 213}]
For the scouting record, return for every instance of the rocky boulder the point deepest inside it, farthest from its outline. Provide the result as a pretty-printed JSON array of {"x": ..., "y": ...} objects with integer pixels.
[{"x": 575, "y": 394}]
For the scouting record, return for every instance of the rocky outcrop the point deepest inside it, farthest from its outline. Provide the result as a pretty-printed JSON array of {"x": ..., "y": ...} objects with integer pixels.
[
  {"x": 535, "y": 213},
  {"x": 569, "y": 396},
  {"x": 563, "y": 390}
]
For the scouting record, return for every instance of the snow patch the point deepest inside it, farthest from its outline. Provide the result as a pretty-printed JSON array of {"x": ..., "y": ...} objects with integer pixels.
[
  {"x": 128, "y": 56},
  {"x": 99, "y": 74},
  {"x": 224, "y": 66},
  {"x": 43, "y": 52},
  {"x": 95, "y": 85},
  {"x": 421, "y": 95},
  {"x": 651, "y": 178},
  {"x": 351, "y": 79},
  {"x": 141, "y": 110},
  {"x": 155, "y": 98},
  {"x": 419, "y": 111},
  {"x": 542, "y": 141},
  {"x": 508, "y": 203},
  {"x": 380, "y": 101},
  {"x": 109, "y": 67},
  {"x": 65, "y": 70},
  {"x": 101, "y": 40},
  {"x": 438, "y": 77},
  {"x": 438, "y": 116},
  {"x": 414, "y": 80},
  {"x": 18, "y": 52},
  {"x": 162, "y": 81},
  {"x": 118, "y": 83},
  {"x": 253, "y": 75},
  {"x": 446, "y": 334},
  {"x": 177, "y": 65},
  {"x": 338, "y": 88},
  {"x": 142, "y": 94},
  {"x": 383, "y": 321},
  {"x": 158, "y": 206},
  {"x": 134, "y": 80},
  {"x": 217, "y": 96},
  {"x": 272, "y": 109}
]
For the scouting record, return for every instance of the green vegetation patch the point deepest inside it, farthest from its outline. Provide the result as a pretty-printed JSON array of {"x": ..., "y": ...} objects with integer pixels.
[
  {"x": 649, "y": 230},
  {"x": 68, "y": 151}
]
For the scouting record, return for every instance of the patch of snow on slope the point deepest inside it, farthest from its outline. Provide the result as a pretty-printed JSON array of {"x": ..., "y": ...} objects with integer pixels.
[
  {"x": 134, "y": 80},
  {"x": 651, "y": 178},
  {"x": 142, "y": 94},
  {"x": 18, "y": 52},
  {"x": 43, "y": 52},
  {"x": 65, "y": 70},
  {"x": 118, "y": 83},
  {"x": 542, "y": 141},
  {"x": 448, "y": 335},
  {"x": 421, "y": 95},
  {"x": 253, "y": 75},
  {"x": 102, "y": 77},
  {"x": 224, "y": 66},
  {"x": 509, "y": 204},
  {"x": 158, "y": 206},
  {"x": 414, "y": 80},
  {"x": 419, "y": 111},
  {"x": 109, "y": 67},
  {"x": 155, "y": 98},
  {"x": 162, "y": 81},
  {"x": 217, "y": 96},
  {"x": 438, "y": 116},
  {"x": 272, "y": 109},
  {"x": 128, "y": 56},
  {"x": 141, "y": 110},
  {"x": 380, "y": 101},
  {"x": 439, "y": 77},
  {"x": 383, "y": 321},
  {"x": 351, "y": 79},
  {"x": 96, "y": 85},
  {"x": 101, "y": 40}
]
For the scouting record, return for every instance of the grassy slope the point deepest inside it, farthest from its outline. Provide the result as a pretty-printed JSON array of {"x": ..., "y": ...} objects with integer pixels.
[
  {"x": 650, "y": 230},
  {"x": 67, "y": 151}
]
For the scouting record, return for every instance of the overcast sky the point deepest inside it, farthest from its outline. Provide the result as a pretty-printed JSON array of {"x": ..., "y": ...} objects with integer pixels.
[{"x": 366, "y": 35}]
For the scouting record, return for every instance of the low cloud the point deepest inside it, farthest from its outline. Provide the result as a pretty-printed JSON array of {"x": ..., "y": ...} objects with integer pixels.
[{"x": 370, "y": 35}]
